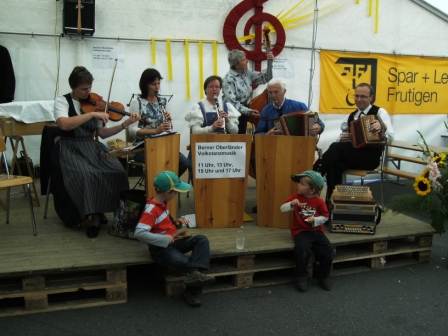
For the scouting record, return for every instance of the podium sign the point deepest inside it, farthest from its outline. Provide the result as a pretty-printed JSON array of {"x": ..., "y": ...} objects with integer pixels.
[
  {"x": 220, "y": 179},
  {"x": 277, "y": 158},
  {"x": 161, "y": 154}
]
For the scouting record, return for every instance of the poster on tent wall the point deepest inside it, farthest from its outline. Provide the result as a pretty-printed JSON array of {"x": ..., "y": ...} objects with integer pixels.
[{"x": 402, "y": 84}]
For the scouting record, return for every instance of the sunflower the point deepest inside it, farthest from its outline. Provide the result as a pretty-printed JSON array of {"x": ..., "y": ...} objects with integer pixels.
[
  {"x": 440, "y": 159},
  {"x": 424, "y": 173},
  {"x": 422, "y": 186}
]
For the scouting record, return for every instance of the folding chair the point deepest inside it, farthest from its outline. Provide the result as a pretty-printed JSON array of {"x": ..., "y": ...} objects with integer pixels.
[
  {"x": 363, "y": 173},
  {"x": 7, "y": 181}
]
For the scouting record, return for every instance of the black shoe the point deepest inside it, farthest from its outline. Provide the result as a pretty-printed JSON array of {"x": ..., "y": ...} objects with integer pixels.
[
  {"x": 92, "y": 231},
  {"x": 199, "y": 279},
  {"x": 254, "y": 209},
  {"x": 192, "y": 300},
  {"x": 103, "y": 219},
  {"x": 325, "y": 283},
  {"x": 301, "y": 285}
]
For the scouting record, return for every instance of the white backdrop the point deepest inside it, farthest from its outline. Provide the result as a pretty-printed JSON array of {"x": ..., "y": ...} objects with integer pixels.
[{"x": 27, "y": 28}]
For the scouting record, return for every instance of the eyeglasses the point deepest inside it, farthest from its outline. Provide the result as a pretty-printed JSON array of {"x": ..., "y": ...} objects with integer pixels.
[
  {"x": 361, "y": 96},
  {"x": 275, "y": 92},
  {"x": 213, "y": 87}
]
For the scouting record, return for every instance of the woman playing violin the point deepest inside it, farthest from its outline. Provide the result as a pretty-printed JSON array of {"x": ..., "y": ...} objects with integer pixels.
[
  {"x": 237, "y": 86},
  {"x": 84, "y": 181},
  {"x": 155, "y": 119}
]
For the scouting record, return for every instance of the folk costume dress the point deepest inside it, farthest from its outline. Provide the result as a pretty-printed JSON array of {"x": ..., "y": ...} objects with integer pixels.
[
  {"x": 84, "y": 181},
  {"x": 151, "y": 118},
  {"x": 203, "y": 114}
]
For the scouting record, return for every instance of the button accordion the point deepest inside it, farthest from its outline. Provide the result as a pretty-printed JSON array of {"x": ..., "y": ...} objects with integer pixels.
[
  {"x": 362, "y": 135},
  {"x": 297, "y": 123},
  {"x": 354, "y": 210}
]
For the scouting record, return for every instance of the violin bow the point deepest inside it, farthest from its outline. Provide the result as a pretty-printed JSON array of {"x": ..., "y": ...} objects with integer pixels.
[
  {"x": 267, "y": 46},
  {"x": 110, "y": 87}
]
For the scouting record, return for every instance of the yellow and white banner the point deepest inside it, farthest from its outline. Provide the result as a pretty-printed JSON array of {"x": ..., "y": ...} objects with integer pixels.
[{"x": 403, "y": 84}]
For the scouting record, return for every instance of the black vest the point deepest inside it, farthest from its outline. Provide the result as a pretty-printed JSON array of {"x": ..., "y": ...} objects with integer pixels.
[
  {"x": 373, "y": 111},
  {"x": 71, "y": 113}
]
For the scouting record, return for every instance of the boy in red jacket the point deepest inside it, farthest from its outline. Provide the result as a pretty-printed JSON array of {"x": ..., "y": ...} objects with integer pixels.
[{"x": 309, "y": 214}]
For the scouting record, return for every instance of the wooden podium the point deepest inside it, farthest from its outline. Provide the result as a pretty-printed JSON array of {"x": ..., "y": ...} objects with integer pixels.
[
  {"x": 220, "y": 202},
  {"x": 161, "y": 153},
  {"x": 277, "y": 158}
]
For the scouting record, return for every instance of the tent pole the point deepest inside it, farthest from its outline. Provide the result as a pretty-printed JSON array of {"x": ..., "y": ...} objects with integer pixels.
[{"x": 313, "y": 46}]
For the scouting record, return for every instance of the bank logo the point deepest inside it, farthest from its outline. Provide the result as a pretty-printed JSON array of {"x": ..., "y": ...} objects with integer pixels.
[{"x": 358, "y": 70}]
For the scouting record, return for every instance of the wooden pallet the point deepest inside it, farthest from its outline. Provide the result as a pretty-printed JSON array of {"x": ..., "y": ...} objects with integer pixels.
[
  {"x": 37, "y": 293},
  {"x": 265, "y": 269}
]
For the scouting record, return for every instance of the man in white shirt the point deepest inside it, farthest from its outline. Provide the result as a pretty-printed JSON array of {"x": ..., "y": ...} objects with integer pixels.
[{"x": 341, "y": 155}]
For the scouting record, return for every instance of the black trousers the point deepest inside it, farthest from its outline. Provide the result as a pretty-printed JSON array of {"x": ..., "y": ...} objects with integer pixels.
[
  {"x": 341, "y": 156},
  {"x": 242, "y": 126},
  {"x": 304, "y": 243}
]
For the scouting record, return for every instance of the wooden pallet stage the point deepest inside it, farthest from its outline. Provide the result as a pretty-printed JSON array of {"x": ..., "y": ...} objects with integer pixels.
[
  {"x": 268, "y": 257},
  {"x": 62, "y": 290},
  {"x": 61, "y": 268}
]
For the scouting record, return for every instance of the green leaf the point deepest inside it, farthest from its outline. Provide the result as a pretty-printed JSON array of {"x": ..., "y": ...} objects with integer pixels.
[
  {"x": 412, "y": 203},
  {"x": 438, "y": 221}
]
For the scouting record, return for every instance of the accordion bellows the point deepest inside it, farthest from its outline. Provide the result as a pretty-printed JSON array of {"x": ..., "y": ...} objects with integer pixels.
[{"x": 297, "y": 123}]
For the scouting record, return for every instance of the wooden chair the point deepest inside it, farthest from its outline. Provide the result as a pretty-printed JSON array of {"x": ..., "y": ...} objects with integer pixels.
[
  {"x": 363, "y": 173},
  {"x": 7, "y": 181},
  {"x": 131, "y": 163}
]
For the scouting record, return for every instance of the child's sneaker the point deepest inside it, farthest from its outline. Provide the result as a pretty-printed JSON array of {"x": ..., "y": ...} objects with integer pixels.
[
  {"x": 199, "y": 279},
  {"x": 301, "y": 285},
  {"x": 325, "y": 283}
]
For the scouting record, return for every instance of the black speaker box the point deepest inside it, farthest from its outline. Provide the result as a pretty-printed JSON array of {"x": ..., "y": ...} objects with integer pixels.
[{"x": 70, "y": 17}]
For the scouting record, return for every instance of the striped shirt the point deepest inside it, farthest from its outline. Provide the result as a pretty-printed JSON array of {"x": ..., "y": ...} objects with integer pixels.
[{"x": 155, "y": 224}]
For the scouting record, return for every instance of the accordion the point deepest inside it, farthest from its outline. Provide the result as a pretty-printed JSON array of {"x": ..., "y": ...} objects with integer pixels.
[
  {"x": 353, "y": 210},
  {"x": 297, "y": 123},
  {"x": 361, "y": 134}
]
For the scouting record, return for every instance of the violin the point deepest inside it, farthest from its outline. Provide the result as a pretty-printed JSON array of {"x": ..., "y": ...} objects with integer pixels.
[{"x": 96, "y": 103}]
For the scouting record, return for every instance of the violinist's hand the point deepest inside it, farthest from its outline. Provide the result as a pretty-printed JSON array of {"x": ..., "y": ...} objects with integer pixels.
[
  {"x": 133, "y": 117},
  {"x": 270, "y": 55},
  {"x": 315, "y": 129},
  {"x": 218, "y": 124},
  {"x": 102, "y": 116},
  {"x": 274, "y": 131}
]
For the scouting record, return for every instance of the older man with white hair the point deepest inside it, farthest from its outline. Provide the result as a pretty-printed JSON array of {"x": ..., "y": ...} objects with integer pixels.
[{"x": 279, "y": 106}]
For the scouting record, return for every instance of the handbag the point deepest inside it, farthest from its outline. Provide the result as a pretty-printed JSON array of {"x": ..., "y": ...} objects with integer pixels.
[
  {"x": 21, "y": 161},
  {"x": 131, "y": 205}
]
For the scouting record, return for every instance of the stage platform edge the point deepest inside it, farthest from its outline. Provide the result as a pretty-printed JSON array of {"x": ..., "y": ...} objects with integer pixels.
[{"x": 61, "y": 268}]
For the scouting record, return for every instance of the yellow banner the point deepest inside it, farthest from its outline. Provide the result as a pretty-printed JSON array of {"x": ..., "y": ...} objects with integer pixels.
[{"x": 403, "y": 84}]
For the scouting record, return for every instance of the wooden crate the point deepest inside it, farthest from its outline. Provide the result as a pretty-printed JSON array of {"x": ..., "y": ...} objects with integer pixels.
[
  {"x": 37, "y": 293},
  {"x": 265, "y": 269}
]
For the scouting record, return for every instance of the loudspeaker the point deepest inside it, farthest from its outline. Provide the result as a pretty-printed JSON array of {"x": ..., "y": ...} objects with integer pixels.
[{"x": 70, "y": 16}]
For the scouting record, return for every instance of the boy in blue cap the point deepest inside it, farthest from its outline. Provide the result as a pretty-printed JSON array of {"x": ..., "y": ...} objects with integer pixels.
[
  {"x": 309, "y": 214},
  {"x": 167, "y": 245}
]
